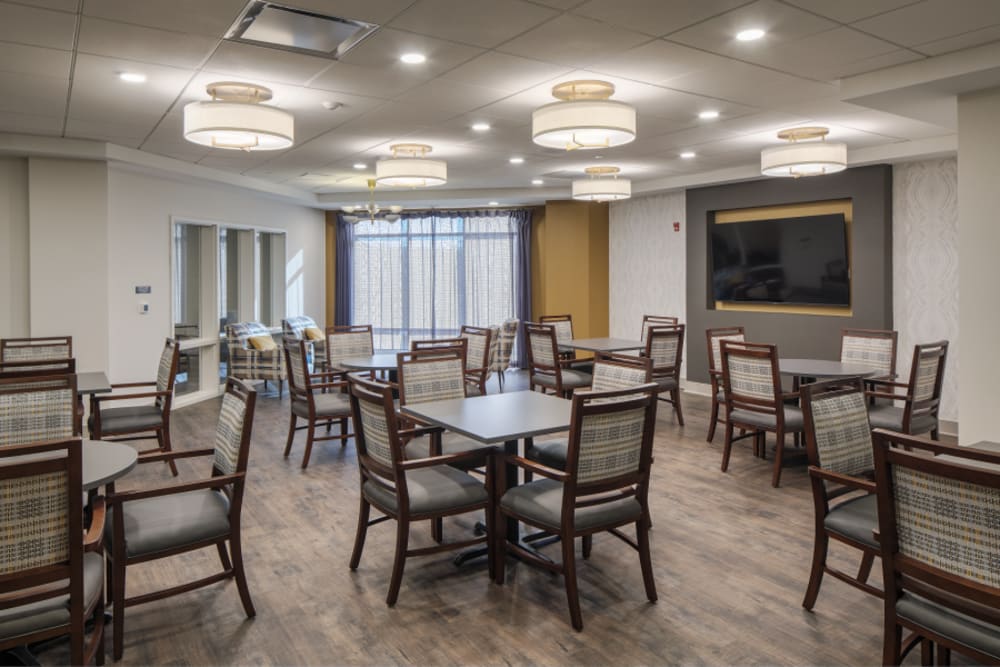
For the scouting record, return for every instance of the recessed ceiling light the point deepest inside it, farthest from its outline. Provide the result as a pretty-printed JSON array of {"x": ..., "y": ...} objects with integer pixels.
[
  {"x": 708, "y": 115},
  {"x": 750, "y": 34},
  {"x": 687, "y": 155},
  {"x": 537, "y": 181},
  {"x": 494, "y": 203},
  {"x": 360, "y": 165},
  {"x": 481, "y": 127},
  {"x": 413, "y": 58},
  {"x": 517, "y": 160},
  {"x": 132, "y": 77}
]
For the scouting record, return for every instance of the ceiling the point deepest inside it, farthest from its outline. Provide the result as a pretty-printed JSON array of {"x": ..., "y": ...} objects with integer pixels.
[{"x": 487, "y": 60}]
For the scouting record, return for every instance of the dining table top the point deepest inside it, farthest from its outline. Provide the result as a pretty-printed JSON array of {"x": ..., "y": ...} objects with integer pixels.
[
  {"x": 104, "y": 462},
  {"x": 823, "y": 368},
  {"x": 602, "y": 344},
  {"x": 380, "y": 361},
  {"x": 92, "y": 382}
]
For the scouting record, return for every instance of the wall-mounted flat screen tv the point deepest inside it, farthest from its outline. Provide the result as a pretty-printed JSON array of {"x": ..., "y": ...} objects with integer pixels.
[{"x": 796, "y": 261}]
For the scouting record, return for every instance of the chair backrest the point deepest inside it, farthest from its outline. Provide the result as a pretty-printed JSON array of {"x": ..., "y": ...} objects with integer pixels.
[
  {"x": 619, "y": 371},
  {"x": 714, "y": 337},
  {"x": 477, "y": 360},
  {"x": 505, "y": 344},
  {"x": 838, "y": 435},
  {"x": 166, "y": 371},
  {"x": 750, "y": 376},
  {"x": 872, "y": 348},
  {"x": 375, "y": 431},
  {"x": 34, "y": 368},
  {"x": 927, "y": 376},
  {"x": 233, "y": 430},
  {"x": 665, "y": 348},
  {"x": 655, "y": 321},
  {"x": 37, "y": 408},
  {"x": 543, "y": 352},
  {"x": 458, "y": 343},
  {"x": 297, "y": 363},
  {"x": 238, "y": 333},
  {"x": 563, "y": 325},
  {"x": 293, "y": 327},
  {"x": 434, "y": 374},
  {"x": 346, "y": 341},
  {"x": 939, "y": 522},
  {"x": 35, "y": 349}
]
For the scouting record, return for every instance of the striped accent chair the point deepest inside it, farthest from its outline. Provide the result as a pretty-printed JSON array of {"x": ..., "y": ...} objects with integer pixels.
[
  {"x": 605, "y": 486},
  {"x": 37, "y": 408},
  {"x": 346, "y": 341},
  {"x": 318, "y": 398},
  {"x": 34, "y": 351},
  {"x": 246, "y": 363},
  {"x": 839, "y": 447},
  {"x": 477, "y": 358},
  {"x": 939, "y": 519},
  {"x": 871, "y": 348},
  {"x": 546, "y": 369},
  {"x": 665, "y": 347},
  {"x": 755, "y": 402},
  {"x": 139, "y": 422},
  {"x": 714, "y": 338},
  {"x": 921, "y": 396},
  {"x": 293, "y": 328},
  {"x": 53, "y": 575},
  {"x": 408, "y": 490},
  {"x": 145, "y": 525},
  {"x": 504, "y": 342}
]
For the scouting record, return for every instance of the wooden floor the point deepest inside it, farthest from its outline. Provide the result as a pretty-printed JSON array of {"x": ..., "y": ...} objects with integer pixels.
[{"x": 731, "y": 556}]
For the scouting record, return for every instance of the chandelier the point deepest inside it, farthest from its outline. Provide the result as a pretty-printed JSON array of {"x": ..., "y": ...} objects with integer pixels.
[
  {"x": 371, "y": 211},
  {"x": 409, "y": 167},
  {"x": 236, "y": 118},
  {"x": 584, "y": 118},
  {"x": 807, "y": 153},
  {"x": 603, "y": 185}
]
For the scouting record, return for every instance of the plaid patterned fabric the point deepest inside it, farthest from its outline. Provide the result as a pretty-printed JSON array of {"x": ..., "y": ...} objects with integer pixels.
[
  {"x": 504, "y": 345},
  {"x": 751, "y": 376},
  {"x": 926, "y": 379},
  {"x": 31, "y": 416},
  {"x": 228, "y": 433},
  {"x": 655, "y": 321},
  {"x": 843, "y": 434},
  {"x": 610, "y": 445},
  {"x": 164, "y": 376},
  {"x": 663, "y": 349},
  {"x": 475, "y": 355},
  {"x": 608, "y": 377},
  {"x": 293, "y": 328},
  {"x": 564, "y": 329},
  {"x": 717, "y": 348},
  {"x": 246, "y": 363},
  {"x": 35, "y": 352},
  {"x": 348, "y": 344},
  {"x": 873, "y": 353},
  {"x": 541, "y": 348},
  {"x": 34, "y": 521},
  {"x": 949, "y": 524},
  {"x": 376, "y": 431},
  {"x": 299, "y": 365},
  {"x": 436, "y": 380}
]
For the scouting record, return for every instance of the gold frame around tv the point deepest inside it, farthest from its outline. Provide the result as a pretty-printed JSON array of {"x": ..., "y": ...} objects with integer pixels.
[{"x": 844, "y": 206}]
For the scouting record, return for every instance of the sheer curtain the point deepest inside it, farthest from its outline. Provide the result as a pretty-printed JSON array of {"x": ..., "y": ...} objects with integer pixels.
[{"x": 431, "y": 272}]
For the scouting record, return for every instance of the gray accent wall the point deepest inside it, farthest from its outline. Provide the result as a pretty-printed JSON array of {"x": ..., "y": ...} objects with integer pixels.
[{"x": 815, "y": 336}]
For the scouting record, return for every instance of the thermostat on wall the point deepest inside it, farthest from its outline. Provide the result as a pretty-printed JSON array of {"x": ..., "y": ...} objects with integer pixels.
[{"x": 143, "y": 289}]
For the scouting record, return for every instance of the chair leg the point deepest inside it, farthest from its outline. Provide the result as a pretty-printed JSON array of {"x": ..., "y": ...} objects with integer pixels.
[
  {"x": 402, "y": 541},
  {"x": 224, "y": 556},
  {"x": 281, "y": 388},
  {"x": 865, "y": 569},
  {"x": 500, "y": 380},
  {"x": 437, "y": 530},
  {"x": 779, "y": 450},
  {"x": 728, "y": 447},
  {"x": 118, "y": 600},
  {"x": 588, "y": 546},
  {"x": 820, "y": 547},
  {"x": 359, "y": 537},
  {"x": 240, "y": 573},
  {"x": 343, "y": 432},
  {"x": 291, "y": 435},
  {"x": 163, "y": 438},
  {"x": 569, "y": 574},
  {"x": 675, "y": 397},
  {"x": 645, "y": 560},
  {"x": 310, "y": 436},
  {"x": 713, "y": 419},
  {"x": 926, "y": 652},
  {"x": 893, "y": 636}
]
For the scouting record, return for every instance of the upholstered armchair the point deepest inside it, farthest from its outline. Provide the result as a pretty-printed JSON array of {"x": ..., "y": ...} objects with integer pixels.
[
  {"x": 246, "y": 362},
  {"x": 503, "y": 343},
  {"x": 303, "y": 327}
]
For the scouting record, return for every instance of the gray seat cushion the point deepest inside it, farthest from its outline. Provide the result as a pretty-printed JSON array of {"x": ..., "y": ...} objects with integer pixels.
[
  {"x": 431, "y": 490},
  {"x": 891, "y": 417},
  {"x": 793, "y": 419},
  {"x": 856, "y": 518},
  {"x": 583, "y": 367},
  {"x": 165, "y": 522},
  {"x": 666, "y": 383},
  {"x": 551, "y": 453},
  {"x": 134, "y": 418},
  {"x": 53, "y": 612},
  {"x": 327, "y": 405},
  {"x": 571, "y": 379},
  {"x": 961, "y": 628},
  {"x": 541, "y": 501}
]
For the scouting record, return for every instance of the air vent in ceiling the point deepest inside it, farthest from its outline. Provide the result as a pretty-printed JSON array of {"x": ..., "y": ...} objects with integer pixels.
[{"x": 280, "y": 27}]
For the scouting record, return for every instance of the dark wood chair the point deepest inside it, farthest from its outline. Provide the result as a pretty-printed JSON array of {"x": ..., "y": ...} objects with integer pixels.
[
  {"x": 148, "y": 524},
  {"x": 563, "y": 325},
  {"x": 506, "y": 336},
  {"x": 839, "y": 447},
  {"x": 939, "y": 530},
  {"x": 408, "y": 490},
  {"x": 34, "y": 369},
  {"x": 656, "y": 321},
  {"x": 35, "y": 349},
  {"x": 755, "y": 401},
  {"x": 346, "y": 341},
  {"x": 38, "y": 408},
  {"x": 665, "y": 347},
  {"x": 546, "y": 369},
  {"x": 714, "y": 338},
  {"x": 477, "y": 359},
  {"x": 318, "y": 398},
  {"x": 874, "y": 348},
  {"x": 52, "y": 579},
  {"x": 921, "y": 396},
  {"x": 140, "y": 422},
  {"x": 605, "y": 486}
]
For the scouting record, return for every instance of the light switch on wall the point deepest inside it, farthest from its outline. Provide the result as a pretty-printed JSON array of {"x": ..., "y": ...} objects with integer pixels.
[{"x": 143, "y": 308}]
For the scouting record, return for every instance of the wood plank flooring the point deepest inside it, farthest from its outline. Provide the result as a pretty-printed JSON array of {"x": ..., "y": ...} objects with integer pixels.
[{"x": 731, "y": 556}]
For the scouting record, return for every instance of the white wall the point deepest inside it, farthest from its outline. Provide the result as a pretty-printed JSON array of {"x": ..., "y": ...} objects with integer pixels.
[{"x": 14, "y": 310}]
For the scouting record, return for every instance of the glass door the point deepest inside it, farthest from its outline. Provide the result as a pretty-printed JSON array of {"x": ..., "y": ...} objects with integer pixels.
[{"x": 193, "y": 267}]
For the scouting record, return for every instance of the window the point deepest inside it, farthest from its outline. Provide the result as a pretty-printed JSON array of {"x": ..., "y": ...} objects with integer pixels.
[{"x": 424, "y": 277}]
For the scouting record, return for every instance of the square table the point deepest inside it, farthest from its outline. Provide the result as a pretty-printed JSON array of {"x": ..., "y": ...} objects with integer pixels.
[
  {"x": 92, "y": 383},
  {"x": 602, "y": 344}
]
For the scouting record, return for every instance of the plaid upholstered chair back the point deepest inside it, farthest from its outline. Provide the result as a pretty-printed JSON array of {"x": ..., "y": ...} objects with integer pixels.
[
  {"x": 292, "y": 328},
  {"x": 480, "y": 341},
  {"x": 665, "y": 348},
  {"x": 349, "y": 341},
  {"x": 14, "y": 350},
  {"x": 655, "y": 321},
  {"x": 37, "y": 408},
  {"x": 505, "y": 344},
  {"x": 166, "y": 370},
  {"x": 838, "y": 435},
  {"x": 460, "y": 345},
  {"x": 872, "y": 348},
  {"x": 715, "y": 338},
  {"x": 750, "y": 375},
  {"x": 612, "y": 372},
  {"x": 430, "y": 375},
  {"x": 375, "y": 427},
  {"x": 232, "y": 432},
  {"x": 563, "y": 325},
  {"x": 927, "y": 373},
  {"x": 298, "y": 366}
]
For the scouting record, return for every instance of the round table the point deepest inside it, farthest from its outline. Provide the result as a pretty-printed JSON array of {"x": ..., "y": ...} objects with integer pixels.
[
  {"x": 104, "y": 462},
  {"x": 383, "y": 361},
  {"x": 822, "y": 368}
]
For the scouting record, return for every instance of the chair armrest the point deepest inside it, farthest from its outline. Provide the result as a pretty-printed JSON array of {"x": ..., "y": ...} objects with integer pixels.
[
  {"x": 211, "y": 483},
  {"x": 328, "y": 385},
  {"x": 887, "y": 394},
  {"x": 543, "y": 470},
  {"x": 419, "y": 430},
  {"x": 94, "y": 537},
  {"x": 887, "y": 383},
  {"x": 169, "y": 456},
  {"x": 790, "y": 396},
  {"x": 445, "y": 459},
  {"x": 122, "y": 385},
  {"x": 844, "y": 480}
]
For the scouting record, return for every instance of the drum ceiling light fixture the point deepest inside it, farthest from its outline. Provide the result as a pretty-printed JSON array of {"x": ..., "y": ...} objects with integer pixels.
[
  {"x": 236, "y": 119},
  {"x": 584, "y": 118},
  {"x": 371, "y": 211},
  {"x": 409, "y": 167},
  {"x": 603, "y": 185},
  {"x": 807, "y": 153}
]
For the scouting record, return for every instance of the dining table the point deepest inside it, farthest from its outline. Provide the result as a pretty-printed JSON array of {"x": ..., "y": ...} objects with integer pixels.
[
  {"x": 380, "y": 361},
  {"x": 92, "y": 382},
  {"x": 602, "y": 344}
]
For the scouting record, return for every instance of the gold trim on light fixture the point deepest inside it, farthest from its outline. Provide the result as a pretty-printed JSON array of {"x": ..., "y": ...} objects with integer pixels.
[
  {"x": 599, "y": 187},
  {"x": 410, "y": 167},
  {"x": 584, "y": 117},
  {"x": 807, "y": 153},
  {"x": 372, "y": 209}
]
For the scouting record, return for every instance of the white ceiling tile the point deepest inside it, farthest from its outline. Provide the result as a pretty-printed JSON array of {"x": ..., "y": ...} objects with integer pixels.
[
  {"x": 37, "y": 27},
  {"x": 115, "y": 129},
  {"x": 383, "y": 83},
  {"x": 485, "y": 23},
  {"x": 58, "y": 5},
  {"x": 897, "y": 57},
  {"x": 505, "y": 72},
  {"x": 132, "y": 42},
  {"x": 197, "y": 16},
  {"x": 573, "y": 40},
  {"x": 848, "y": 11},
  {"x": 655, "y": 17},
  {"x": 819, "y": 55},
  {"x": 30, "y": 123},
  {"x": 251, "y": 62},
  {"x": 97, "y": 90},
  {"x": 177, "y": 149},
  {"x": 751, "y": 85},
  {"x": 932, "y": 20},
  {"x": 449, "y": 96},
  {"x": 24, "y": 59},
  {"x": 384, "y": 48},
  {"x": 659, "y": 62},
  {"x": 370, "y": 11},
  {"x": 42, "y": 95},
  {"x": 561, "y": 4},
  {"x": 963, "y": 41}
]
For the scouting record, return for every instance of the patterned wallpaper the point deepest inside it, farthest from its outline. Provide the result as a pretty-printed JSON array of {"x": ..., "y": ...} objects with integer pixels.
[{"x": 925, "y": 265}]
